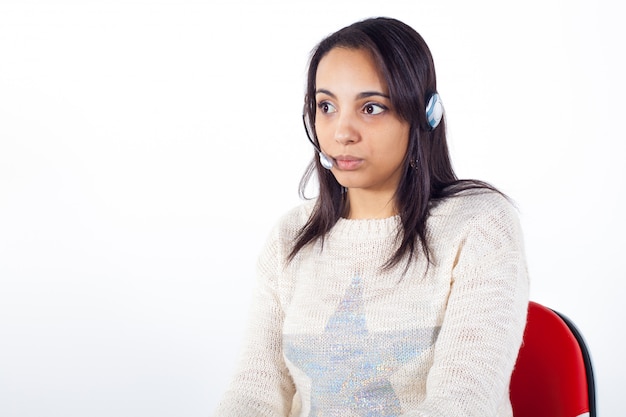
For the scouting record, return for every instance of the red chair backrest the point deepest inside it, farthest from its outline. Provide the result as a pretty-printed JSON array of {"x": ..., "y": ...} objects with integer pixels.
[{"x": 550, "y": 378}]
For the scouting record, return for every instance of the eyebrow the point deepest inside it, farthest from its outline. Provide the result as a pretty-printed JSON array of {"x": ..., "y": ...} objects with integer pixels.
[{"x": 364, "y": 94}]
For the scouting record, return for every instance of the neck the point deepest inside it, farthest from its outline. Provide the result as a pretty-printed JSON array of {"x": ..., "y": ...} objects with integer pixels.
[{"x": 363, "y": 204}]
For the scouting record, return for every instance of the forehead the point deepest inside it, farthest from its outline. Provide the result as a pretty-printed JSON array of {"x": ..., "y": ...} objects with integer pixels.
[{"x": 349, "y": 69}]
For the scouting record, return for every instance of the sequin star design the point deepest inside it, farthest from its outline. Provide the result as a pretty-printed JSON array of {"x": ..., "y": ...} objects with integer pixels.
[{"x": 350, "y": 367}]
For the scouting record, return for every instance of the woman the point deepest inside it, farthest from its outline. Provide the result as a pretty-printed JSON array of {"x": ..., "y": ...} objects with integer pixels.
[{"x": 400, "y": 290}]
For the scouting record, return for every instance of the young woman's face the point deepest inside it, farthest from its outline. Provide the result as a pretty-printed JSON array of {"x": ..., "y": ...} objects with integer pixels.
[{"x": 356, "y": 124}]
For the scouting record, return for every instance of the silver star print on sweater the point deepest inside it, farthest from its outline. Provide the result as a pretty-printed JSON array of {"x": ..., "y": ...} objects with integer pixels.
[{"x": 349, "y": 366}]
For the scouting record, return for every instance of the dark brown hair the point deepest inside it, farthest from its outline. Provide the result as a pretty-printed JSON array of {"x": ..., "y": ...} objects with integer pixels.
[{"x": 409, "y": 71}]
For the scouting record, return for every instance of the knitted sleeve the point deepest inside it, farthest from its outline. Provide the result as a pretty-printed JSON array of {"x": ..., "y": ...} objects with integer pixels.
[
  {"x": 262, "y": 386},
  {"x": 484, "y": 321}
]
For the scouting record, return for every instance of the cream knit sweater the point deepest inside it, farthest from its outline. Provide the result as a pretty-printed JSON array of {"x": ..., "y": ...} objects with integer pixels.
[{"x": 333, "y": 335}]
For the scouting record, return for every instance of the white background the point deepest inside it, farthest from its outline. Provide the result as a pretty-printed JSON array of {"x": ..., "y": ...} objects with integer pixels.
[{"x": 147, "y": 148}]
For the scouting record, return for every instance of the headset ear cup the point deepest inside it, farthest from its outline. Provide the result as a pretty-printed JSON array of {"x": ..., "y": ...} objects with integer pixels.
[{"x": 434, "y": 110}]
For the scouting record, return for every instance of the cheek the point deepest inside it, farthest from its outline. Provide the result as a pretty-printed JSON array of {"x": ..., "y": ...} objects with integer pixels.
[
  {"x": 390, "y": 156},
  {"x": 398, "y": 144},
  {"x": 323, "y": 132}
]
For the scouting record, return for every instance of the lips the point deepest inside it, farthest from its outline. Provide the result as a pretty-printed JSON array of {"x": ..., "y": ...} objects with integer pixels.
[{"x": 347, "y": 162}]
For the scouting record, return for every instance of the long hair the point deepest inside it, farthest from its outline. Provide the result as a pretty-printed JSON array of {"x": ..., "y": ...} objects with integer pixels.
[{"x": 407, "y": 65}]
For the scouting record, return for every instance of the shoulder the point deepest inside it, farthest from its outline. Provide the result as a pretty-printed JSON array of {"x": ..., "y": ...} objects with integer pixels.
[
  {"x": 475, "y": 204},
  {"x": 291, "y": 222},
  {"x": 282, "y": 236},
  {"x": 480, "y": 214}
]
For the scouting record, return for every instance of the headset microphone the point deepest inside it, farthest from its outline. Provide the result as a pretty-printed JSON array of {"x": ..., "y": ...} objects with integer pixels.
[{"x": 325, "y": 160}]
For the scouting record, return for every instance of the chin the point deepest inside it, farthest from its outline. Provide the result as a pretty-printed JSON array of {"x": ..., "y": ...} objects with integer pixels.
[
  {"x": 354, "y": 179},
  {"x": 348, "y": 182}
]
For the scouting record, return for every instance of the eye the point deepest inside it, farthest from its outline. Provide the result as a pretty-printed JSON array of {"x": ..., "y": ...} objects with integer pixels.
[
  {"x": 326, "y": 107},
  {"x": 373, "y": 108}
]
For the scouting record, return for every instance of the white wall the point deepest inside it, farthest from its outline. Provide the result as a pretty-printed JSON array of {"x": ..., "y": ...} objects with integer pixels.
[{"x": 146, "y": 148}]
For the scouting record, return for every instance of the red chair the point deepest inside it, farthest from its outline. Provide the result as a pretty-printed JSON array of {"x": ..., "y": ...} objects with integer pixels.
[{"x": 553, "y": 376}]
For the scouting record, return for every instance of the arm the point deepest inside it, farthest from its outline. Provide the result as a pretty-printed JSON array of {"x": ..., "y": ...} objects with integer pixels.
[
  {"x": 262, "y": 386},
  {"x": 484, "y": 322}
]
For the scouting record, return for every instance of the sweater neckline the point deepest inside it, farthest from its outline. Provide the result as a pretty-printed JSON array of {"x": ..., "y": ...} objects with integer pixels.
[{"x": 372, "y": 227}]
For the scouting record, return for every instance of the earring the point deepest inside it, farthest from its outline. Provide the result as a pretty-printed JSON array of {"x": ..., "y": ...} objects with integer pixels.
[{"x": 413, "y": 163}]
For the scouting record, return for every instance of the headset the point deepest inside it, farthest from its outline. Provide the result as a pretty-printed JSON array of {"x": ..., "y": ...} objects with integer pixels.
[
  {"x": 434, "y": 114},
  {"x": 434, "y": 111}
]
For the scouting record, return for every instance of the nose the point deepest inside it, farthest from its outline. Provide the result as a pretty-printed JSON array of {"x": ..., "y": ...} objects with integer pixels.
[{"x": 346, "y": 130}]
